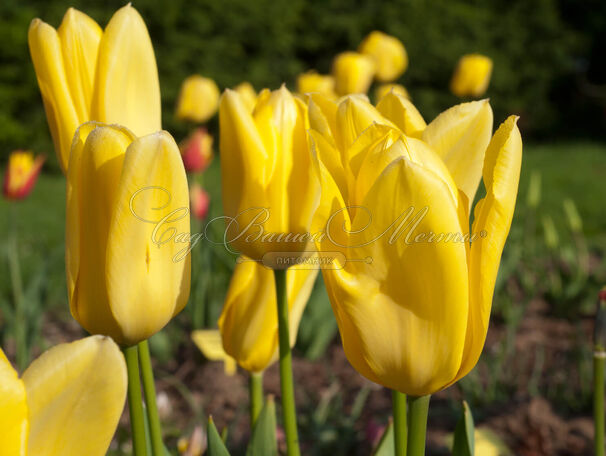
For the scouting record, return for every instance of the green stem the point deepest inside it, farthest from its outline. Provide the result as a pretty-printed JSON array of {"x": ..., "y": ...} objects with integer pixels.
[
  {"x": 400, "y": 429},
  {"x": 418, "y": 408},
  {"x": 256, "y": 396},
  {"x": 20, "y": 322},
  {"x": 149, "y": 388},
  {"x": 135, "y": 404},
  {"x": 598, "y": 401},
  {"x": 286, "y": 382}
]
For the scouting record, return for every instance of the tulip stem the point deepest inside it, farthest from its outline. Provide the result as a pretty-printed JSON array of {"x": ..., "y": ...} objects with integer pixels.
[
  {"x": 19, "y": 321},
  {"x": 286, "y": 382},
  {"x": 418, "y": 408},
  {"x": 399, "y": 422},
  {"x": 256, "y": 396},
  {"x": 598, "y": 400},
  {"x": 149, "y": 388},
  {"x": 135, "y": 404}
]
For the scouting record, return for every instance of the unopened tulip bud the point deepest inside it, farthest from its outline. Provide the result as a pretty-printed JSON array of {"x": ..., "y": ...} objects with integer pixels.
[
  {"x": 197, "y": 150},
  {"x": 388, "y": 53},
  {"x": 471, "y": 76},
  {"x": 312, "y": 82},
  {"x": 198, "y": 99},
  {"x": 21, "y": 174},
  {"x": 199, "y": 201},
  {"x": 353, "y": 72},
  {"x": 572, "y": 215}
]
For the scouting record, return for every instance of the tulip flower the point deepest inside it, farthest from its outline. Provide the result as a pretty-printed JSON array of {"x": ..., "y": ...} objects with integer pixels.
[
  {"x": 388, "y": 53},
  {"x": 210, "y": 344},
  {"x": 197, "y": 150},
  {"x": 85, "y": 74},
  {"x": 353, "y": 72},
  {"x": 384, "y": 89},
  {"x": 248, "y": 94},
  {"x": 198, "y": 99},
  {"x": 68, "y": 401},
  {"x": 127, "y": 232},
  {"x": 471, "y": 76},
  {"x": 249, "y": 320},
  {"x": 314, "y": 82},
  {"x": 21, "y": 174},
  {"x": 199, "y": 201},
  {"x": 414, "y": 316},
  {"x": 270, "y": 191}
]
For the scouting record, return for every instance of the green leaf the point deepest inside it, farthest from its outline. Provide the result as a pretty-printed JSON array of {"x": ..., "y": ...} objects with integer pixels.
[
  {"x": 464, "y": 444},
  {"x": 263, "y": 441},
  {"x": 386, "y": 446},
  {"x": 216, "y": 447}
]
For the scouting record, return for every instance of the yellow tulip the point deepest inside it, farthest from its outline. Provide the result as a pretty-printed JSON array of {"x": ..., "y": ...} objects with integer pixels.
[
  {"x": 384, "y": 89},
  {"x": 388, "y": 53},
  {"x": 353, "y": 72},
  {"x": 397, "y": 107},
  {"x": 471, "y": 76},
  {"x": 413, "y": 310},
  {"x": 313, "y": 82},
  {"x": 87, "y": 74},
  {"x": 127, "y": 232},
  {"x": 210, "y": 344},
  {"x": 198, "y": 99},
  {"x": 249, "y": 321},
  {"x": 270, "y": 190},
  {"x": 248, "y": 94},
  {"x": 68, "y": 401}
]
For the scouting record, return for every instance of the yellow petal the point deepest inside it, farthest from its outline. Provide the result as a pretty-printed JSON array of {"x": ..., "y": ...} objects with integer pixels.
[
  {"x": 493, "y": 215},
  {"x": 210, "y": 344},
  {"x": 13, "y": 411},
  {"x": 249, "y": 321},
  {"x": 148, "y": 265},
  {"x": 402, "y": 313},
  {"x": 61, "y": 114},
  {"x": 388, "y": 53},
  {"x": 75, "y": 396},
  {"x": 460, "y": 136},
  {"x": 403, "y": 113},
  {"x": 92, "y": 184},
  {"x": 312, "y": 82},
  {"x": 80, "y": 36},
  {"x": 247, "y": 94},
  {"x": 198, "y": 99},
  {"x": 127, "y": 91},
  {"x": 353, "y": 72},
  {"x": 471, "y": 76},
  {"x": 322, "y": 112},
  {"x": 384, "y": 89}
]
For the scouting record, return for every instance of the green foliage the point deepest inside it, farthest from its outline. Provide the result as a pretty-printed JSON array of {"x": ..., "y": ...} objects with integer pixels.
[
  {"x": 269, "y": 42},
  {"x": 263, "y": 440},
  {"x": 216, "y": 446},
  {"x": 464, "y": 434}
]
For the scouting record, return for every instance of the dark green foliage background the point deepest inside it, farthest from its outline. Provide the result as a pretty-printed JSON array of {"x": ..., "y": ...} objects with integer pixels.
[{"x": 547, "y": 53}]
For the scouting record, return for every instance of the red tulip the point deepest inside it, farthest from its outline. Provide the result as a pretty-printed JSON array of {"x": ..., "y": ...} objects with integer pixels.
[
  {"x": 199, "y": 200},
  {"x": 21, "y": 174},
  {"x": 197, "y": 150}
]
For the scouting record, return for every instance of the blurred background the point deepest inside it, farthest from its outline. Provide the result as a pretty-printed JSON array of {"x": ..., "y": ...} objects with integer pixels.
[{"x": 532, "y": 387}]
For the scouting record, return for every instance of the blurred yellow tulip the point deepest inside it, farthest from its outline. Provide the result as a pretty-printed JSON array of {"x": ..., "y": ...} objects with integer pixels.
[
  {"x": 127, "y": 232},
  {"x": 319, "y": 83},
  {"x": 388, "y": 53},
  {"x": 353, "y": 72},
  {"x": 87, "y": 74},
  {"x": 249, "y": 321},
  {"x": 68, "y": 401},
  {"x": 21, "y": 174},
  {"x": 198, "y": 99},
  {"x": 210, "y": 344},
  {"x": 270, "y": 190},
  {"x": 413, "y": 315},
  {"x": 471, "y": 76},
  {"x": 384, "y": 89},
  {"x": 248, "y": 94}
]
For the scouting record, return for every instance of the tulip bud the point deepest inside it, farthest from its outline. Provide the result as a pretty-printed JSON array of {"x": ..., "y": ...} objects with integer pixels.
[
  {"x": 197, "y": 150},
  {"x": 471, "y": 76},
  {"x": 312, "y": 82},
  {"x": 249, "y": 320},
  {"x": 550, "y": 233},
  {"x": 198, "y": 99},
  {"x": 127, "y": 232},
  {"x": 533, "y": 197},
  {"x": 199, "y": 201},
  {"x": 353, "y": 73},
  {"x": 21, "y": 174},
  {"x": 572, "y": 215},
  {"x": 384, "y": 89},
  {"x": 248, "y": 94},
  {"x": 388, "y": 53}
]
